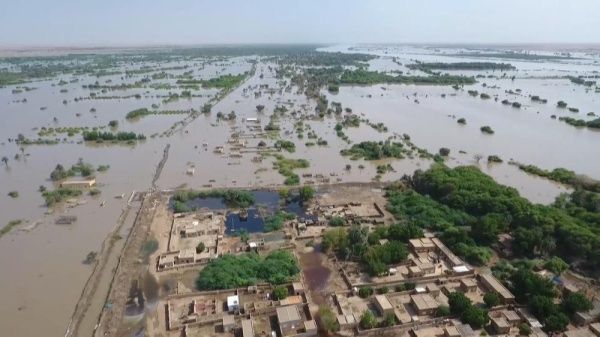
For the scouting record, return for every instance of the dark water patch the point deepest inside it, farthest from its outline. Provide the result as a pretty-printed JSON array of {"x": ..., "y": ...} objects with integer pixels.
[
  {"x": 297, "y": 208},
  {"x": 150, "y": 288},
  {"x": 251, "y": 222},
  {"x": 210, "y": 203},
  {"x": 267, "y": 200}
]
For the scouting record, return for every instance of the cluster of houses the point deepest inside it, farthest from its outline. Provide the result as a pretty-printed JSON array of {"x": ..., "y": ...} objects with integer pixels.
[{"x": 243, "y": 312}]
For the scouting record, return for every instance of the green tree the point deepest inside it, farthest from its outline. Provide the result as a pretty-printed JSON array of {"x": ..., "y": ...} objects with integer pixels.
[
  {"x": 542, "y": 307},
  {"x": 280, "y": 292},
  {"x": 284, "y": 193},
  {"x": 442, "y": 311},
  {"x": 524, "y": 329},
  {"x": 365, "y": 292},
  {"x": 244, "y": 236},
  {"x": 475, "y": 317},
  {"x": 575, "y": 302},
  {"x": 335, "y": 240},
  {"x": 458, "y": 303},
  {"x": 337, "y": 221},
  {"x": 367, "y": 320},
  {"x": 556, "y": 322},
  {"x": 487, "y": 229},
  {"x": 389, "y": 320},
  {"x": 306, "y": 193},
  {"x": 491, "y": 299},
  {"x": 328, "y": 319},
  {"x": 200, "y": 247},
  {"x": 556, "y": 265}
]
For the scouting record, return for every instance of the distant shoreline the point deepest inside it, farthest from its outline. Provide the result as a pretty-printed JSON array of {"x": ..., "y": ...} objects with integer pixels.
[{"x": 49, "y": 50}]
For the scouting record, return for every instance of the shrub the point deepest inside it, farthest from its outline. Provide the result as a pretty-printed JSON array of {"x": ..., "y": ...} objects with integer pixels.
[
  {"x": 494, "y": 159},
  {"x": 383, "y": 290},
  {"x": 491, "y": 299},
  {"x": 524, "y": 329},
  {"x": 444, "y": 151},
  {"x": 328, "y": 319},
  {"x": 337, "y": 221},
  {"x": 367, "y": 320},
  {"x": 306, "y": 193},
  {"x": 279, "y": 293},
  {"x": 365, "y": 292},
  {"x": 442, "y": 311},
  {"x": 487, "y": 129},
  {"x": 556, "y": 265}
]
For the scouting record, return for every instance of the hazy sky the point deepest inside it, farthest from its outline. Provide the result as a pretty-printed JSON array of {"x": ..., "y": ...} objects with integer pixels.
[{"x": 126, "y": 22}]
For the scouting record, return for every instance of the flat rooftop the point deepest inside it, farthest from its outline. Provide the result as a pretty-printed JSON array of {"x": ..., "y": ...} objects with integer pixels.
[
  {"x": 287, "y": 314},
  {"x": 424, "y": 302}
]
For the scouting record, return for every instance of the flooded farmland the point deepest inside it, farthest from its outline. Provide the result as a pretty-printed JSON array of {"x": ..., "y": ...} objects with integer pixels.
[{"x": 213, "y": 149}]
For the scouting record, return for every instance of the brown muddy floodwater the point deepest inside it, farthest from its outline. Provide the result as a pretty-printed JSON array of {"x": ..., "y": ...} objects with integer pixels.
[
  {"x": 44, "y": 274},
  {"x": 316, "y": 275}
]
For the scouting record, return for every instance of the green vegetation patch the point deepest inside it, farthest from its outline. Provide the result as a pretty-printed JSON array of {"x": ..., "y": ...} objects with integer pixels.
[
  {"x": 461, "y": 66},
  {"x": 286, "y": 167},
  {"x": 90, "y": 136},
  {"x": 58, "y": 195},
  {"x": 275, "y": 222},
  {"x": 233, "y": 198},
  {"x": 375, "y": 150},
  {"x": 452, "y": 198},
  {"x": 234, "y": 271},
  {"x": 365, "y": 77},
  {"x": 563, "y": 176},
  {"x": 9, "y": 226}
]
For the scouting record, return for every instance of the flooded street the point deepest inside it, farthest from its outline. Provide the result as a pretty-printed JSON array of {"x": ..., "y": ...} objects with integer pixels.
[
  {"x": 316, "y": 275},
  {"x": 44, "y": 274}
]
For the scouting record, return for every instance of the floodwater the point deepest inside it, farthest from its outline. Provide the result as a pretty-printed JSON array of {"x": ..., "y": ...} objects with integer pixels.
[
  {"x": 252, "y": 222},
  {"x": 42, "y": 261},
  {"x": 316, "y": 275}
]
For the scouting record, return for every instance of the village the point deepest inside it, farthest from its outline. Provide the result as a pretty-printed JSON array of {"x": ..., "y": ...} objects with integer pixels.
[{"x": 410, "y": 298}]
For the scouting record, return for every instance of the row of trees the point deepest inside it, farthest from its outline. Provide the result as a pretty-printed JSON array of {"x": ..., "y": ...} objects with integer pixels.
[
  {"x": 365, "y": 77},
  {"x": 460, "y": 66},
  {"x": 564, "y": 176},
  {"x": 110, "y": 136}
]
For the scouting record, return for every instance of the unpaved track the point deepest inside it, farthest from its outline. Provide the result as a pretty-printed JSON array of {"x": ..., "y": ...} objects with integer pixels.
[
  {"x": 91, "y": 286},
  {"x": 128, "y": 268},
  {"x": 130, "y": 264}
]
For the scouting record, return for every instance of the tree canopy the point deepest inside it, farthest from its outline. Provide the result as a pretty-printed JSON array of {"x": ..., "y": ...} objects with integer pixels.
[{"x": 232, "y": 271}]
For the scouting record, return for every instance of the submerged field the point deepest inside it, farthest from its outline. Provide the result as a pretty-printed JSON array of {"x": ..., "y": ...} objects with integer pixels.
[{"x": 260, "y": 117}]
